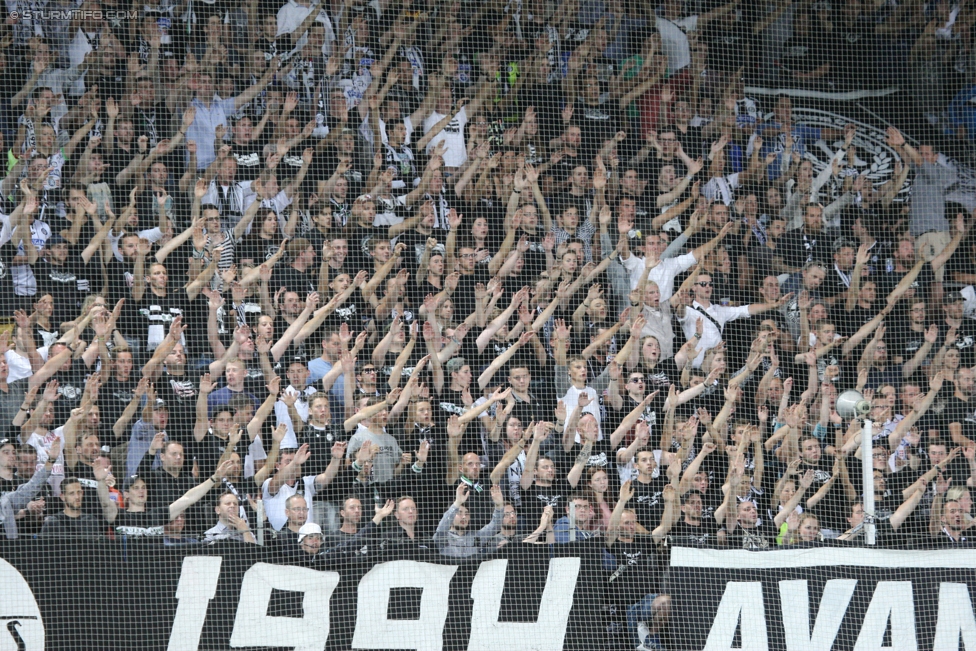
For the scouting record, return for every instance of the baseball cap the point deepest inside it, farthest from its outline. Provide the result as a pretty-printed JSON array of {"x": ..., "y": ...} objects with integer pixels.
[
  {"x": 54, "y": 239},
  {"x": 952, "y": 297},
  {"x": 298, "y": 359},
  {"x": 454, "y": 364},
  {"x": 309, "y": 529}
]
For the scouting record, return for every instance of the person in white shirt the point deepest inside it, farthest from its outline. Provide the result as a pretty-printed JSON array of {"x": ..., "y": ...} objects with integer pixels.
[
  {"x": 663, "y": 272},
  {"x": 714, "y": 317},
  {"x": 297, "y": 374},
  {"x": 285, "y": 483},
  {"x": 294, "y": 19},
  {"x": 444, "y": 126},
  {"x": 674, "y": 27}
]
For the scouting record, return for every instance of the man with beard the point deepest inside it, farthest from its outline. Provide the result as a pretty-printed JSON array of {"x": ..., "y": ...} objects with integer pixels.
[{"x": 453, "y": 537}]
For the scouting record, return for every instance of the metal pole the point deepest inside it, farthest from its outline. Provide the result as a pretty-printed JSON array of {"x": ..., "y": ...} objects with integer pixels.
[
  {"x": 867, "y": 475},
  {"x": 572, "y": 521}
]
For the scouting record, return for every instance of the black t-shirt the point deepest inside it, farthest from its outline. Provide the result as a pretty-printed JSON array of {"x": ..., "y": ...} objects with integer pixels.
[
  {"x": 179, "y": 392},
  {"x": 834, "y": 284},
  {"x": 142, "y": 523},
  {"x": 302, "y": 282},
  {"x": 320, "y": 440},
  {"x": 601, "y": 456},
  {"x": 537, "y": 498},
  {"x": 450, "y": 403},
  {"x": 964, "y": 413},
  {"x": 249, "y": 160},
  {"x": 356, "y": 312},
  {"x": 10, "y": 485},
  {"x": 256, "y": 249},
  {"x": 463, "y": 296},
  {"x": 598, "y": 123},
  {"x": 797, "y": 248},
  {"x": 762, "y": 536},
  {"x": 71, "y": 386},
  {"x": 62, "y": 283},
  {"x": 888, "y": 278},
  {"x": 359, "y": 238},
  {"x": 114, "y": 397},
  {"x": 637, "y": 572},
  {"x": 661, "y": 377},
  {"x": 7, "y": 253},
  {"x": 691, "y": 143},
  {"x": 120, "y": 278},
  {"x": 153, "y": 315},
  {"x": 534, "y": 258},
  {"x": 833, "y": 508},
  {"x": 965, "y": 341},
  {"x": 207, "y": 453},
  {"x": 648, "y": 500},
  {"x": 703, "y": 534},
  {"x": 416, "y": 243},
  {"x": 851, "y": 322},
  {"x": 905, "y": 342},
  {"x": 60, "y": 525}
]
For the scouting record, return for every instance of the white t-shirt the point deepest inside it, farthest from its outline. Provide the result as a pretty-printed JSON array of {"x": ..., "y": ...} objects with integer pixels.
[
  {"x": 720, "y": 188},
  {"x": 114, "y": 237},
  {"x": 18, "y": 365},
  {"x": 674, "y": 40},
  {"x": 22, "y": 275},
  {"x": 711, "y": 335},
  {"x": 274, "y": 506},
  {"x": 452, "y": 135},
  {"x": 663, "y": 273},
  {"x": 43, "y": 446},
  {"x": 83, "y": 43},
  {"x": 571, "y": 399},
  {"x": 290, "y": 17},
  {"x": 281, "y": 414}
]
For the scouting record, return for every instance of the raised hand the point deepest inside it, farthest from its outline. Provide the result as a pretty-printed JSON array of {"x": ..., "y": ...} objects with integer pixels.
[
  {"x": 461, "y": 494},
  {"x": 385, "y": 510},
  {"x": 626, "y": 492},
  {"x": 206, "y": 386},
  {"x": 454, "y": 427},
  {"x": 51, "y": 391}
]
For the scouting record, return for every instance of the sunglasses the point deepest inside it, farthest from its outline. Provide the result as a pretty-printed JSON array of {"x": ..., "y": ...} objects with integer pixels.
[{"x": 707, "y": 283}]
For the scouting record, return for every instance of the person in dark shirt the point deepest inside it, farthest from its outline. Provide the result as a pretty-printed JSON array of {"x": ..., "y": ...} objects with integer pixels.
[
  {"x": 117, "y": 391},
  {"x": 812, "y": 242},
  {"x": 960, "y": 412},
  {"x": 744, "y": 529},
  {"x": 57, "y": 276},
  {"x": 963, "y": 328},
  {"x": 22, "y": 499},
  {"x": 693, "y": 527},
  {"x": 300, "y": 275},
  {"x": 635, "y": 584},
  {"x": 137, "y": 519},
  {"x": 887, "y": 530},
  {"x": 170, "y": 479},
  {"x": 72, "y": 522}
]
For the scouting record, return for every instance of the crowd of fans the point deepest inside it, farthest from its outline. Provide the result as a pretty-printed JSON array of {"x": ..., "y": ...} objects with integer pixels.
[{"x": 458, "y": 275}]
